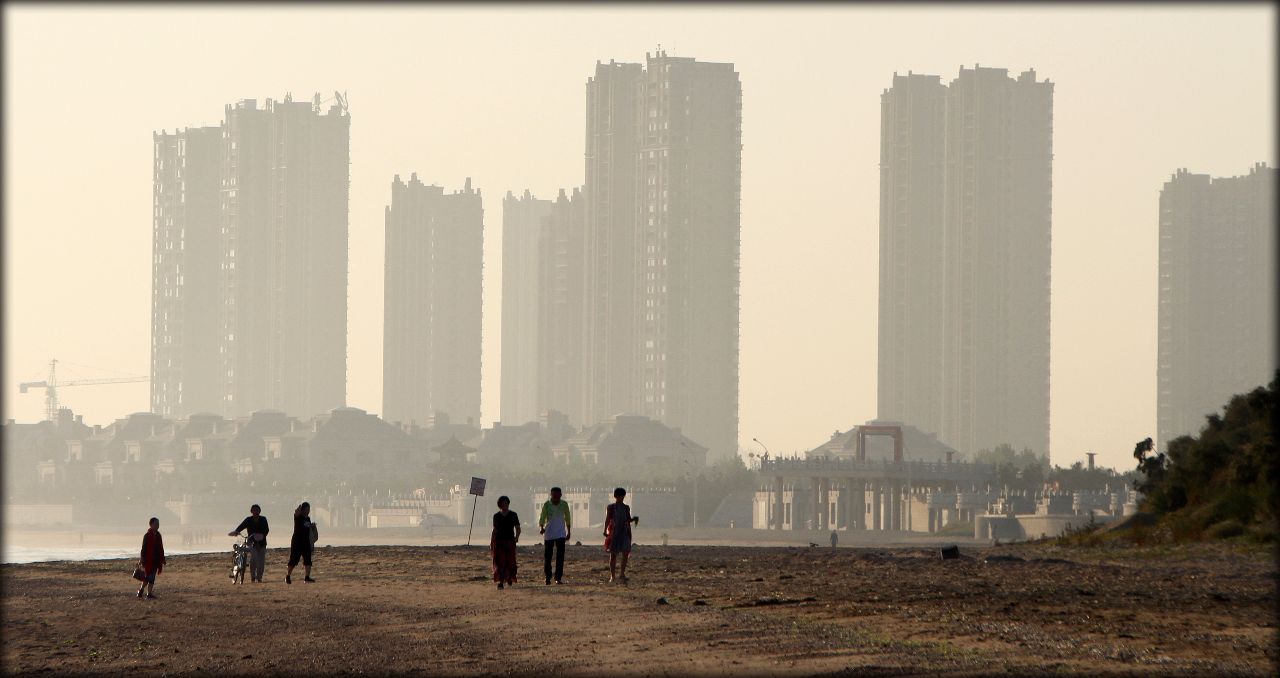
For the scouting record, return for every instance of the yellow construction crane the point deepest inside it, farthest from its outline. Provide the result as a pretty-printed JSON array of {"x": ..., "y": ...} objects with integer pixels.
[{"x": 52, "y": 384}]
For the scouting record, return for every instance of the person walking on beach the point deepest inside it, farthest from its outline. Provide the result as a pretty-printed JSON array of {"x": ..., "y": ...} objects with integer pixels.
[
  {"x": 152, "y": 561},
  {"x": 300, "y": 545},
  {"x": 506, "y": 532},
  {"x": 617, "y": 534},
  {"x": 554, "y": 524},
  {"x": 256, "y": 524}
]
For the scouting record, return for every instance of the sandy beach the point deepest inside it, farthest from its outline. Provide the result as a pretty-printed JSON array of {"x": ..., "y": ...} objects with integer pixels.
[{"x": 1025, "y": 609}]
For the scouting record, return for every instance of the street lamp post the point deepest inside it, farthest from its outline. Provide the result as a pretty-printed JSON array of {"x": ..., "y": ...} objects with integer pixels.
[
  {"x": 768, "y": 524},
  {"x": 766, "y": 448},
  {"x": 696, "y": 476},
  {"x": 696, "y": 479}
]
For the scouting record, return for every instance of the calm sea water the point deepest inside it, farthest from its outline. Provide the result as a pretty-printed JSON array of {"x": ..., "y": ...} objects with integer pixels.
[{"x": 41, "y": 554}]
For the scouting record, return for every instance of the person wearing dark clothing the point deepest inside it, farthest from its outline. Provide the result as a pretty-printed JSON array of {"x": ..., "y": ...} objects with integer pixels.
[
  {"x": 301, "y": 543},
  {"x": 152, "y": 560},
  {"x": 502, "y": 543},
  {"x": 256, "y": 524}
]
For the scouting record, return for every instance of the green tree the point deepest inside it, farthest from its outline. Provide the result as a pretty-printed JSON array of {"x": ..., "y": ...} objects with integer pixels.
[
  {"x": 1224, "y": 480},
  {"x": 1023, "y": 471}
]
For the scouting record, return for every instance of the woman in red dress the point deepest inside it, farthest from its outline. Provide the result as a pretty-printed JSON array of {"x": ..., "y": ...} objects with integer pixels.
[
  {"x": 152, "y": 561},
  {"x": 506, "y": 532}
]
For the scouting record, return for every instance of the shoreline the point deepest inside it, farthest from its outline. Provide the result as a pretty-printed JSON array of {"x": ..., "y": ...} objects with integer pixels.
[{"x": 23, "y": 544}]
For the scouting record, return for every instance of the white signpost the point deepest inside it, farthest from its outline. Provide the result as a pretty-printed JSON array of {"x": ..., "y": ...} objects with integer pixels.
[{"x": 477, "y": 489}]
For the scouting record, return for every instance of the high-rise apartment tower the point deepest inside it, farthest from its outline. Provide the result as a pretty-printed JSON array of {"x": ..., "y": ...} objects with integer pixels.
[
  {"x": 561, "y": 298},
  {"x": 431, "y": 334},
  {"x": 663, "y": 191},
  {"x": 249, "y": 296},
  {"x": 522, "y": 223},
  {"x": 965, "y": 197},
  {"x": 285, "y": 189},
  {"x": 542, "y": 307},
  {"x": 186, "y": 262},
  {"x": 1217, "y": 332}
]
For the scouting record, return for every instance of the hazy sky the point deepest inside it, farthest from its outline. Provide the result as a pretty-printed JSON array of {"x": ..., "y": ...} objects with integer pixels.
[{"x": 496, "y": 93}]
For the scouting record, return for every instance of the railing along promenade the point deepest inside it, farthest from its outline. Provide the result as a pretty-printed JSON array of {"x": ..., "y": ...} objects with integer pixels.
[{"x": 877, "y": 469}]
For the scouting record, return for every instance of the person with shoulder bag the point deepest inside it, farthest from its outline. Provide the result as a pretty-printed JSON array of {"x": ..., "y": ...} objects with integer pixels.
[{"x": 304, "y": 538}]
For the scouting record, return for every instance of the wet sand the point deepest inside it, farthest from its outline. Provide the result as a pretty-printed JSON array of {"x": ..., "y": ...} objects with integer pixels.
[
  {"x": 1025, "y": 609},
  {"x": 61, "y": 539}
]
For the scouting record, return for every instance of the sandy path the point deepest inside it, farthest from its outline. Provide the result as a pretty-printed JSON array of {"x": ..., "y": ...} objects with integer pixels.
[{"x": 728, "y": 610}]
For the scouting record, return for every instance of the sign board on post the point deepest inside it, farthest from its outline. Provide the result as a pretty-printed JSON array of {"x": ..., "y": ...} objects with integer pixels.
[{"x": 477, "y": 488}]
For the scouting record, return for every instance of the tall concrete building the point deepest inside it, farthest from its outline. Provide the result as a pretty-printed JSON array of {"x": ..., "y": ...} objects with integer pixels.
[
  {"x": 431, "y": 340},
  {"x": 561, "y": 309},
  {"x": 284, "y": 192},
  {"x": 185, "y": 265},
  {"x": 522, "y": 223},
  {"x": 966, "y": 183},
  {"x": 250, "y": 262},
  {"x": 912, "y": 160},
  {"x": 663, "y": 190},
  {"x": 543, "y": 307},
  {"x": 610, "y": 197},
  {"x": 1217, "y": 314}
]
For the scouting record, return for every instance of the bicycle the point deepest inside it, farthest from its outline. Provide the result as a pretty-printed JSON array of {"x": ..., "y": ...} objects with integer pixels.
[{"x": 240, "y": 560}]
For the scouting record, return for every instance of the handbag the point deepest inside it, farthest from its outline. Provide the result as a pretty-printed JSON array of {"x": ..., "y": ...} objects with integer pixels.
[{"x": 139, "y": 574}]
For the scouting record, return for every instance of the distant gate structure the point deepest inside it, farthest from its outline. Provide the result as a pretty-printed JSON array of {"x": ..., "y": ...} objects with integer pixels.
[
  {"x": 855, "y": 493},
  {"x": 882, "y": 430}
]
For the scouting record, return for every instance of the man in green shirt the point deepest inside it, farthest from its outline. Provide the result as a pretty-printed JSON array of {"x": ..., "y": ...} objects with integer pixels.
[{"x": 554, "y": 524}]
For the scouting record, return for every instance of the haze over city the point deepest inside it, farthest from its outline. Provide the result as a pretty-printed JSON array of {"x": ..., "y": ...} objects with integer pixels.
[
  {"x": 815, "y": 339},
  {"x": 495, "y": 94}
]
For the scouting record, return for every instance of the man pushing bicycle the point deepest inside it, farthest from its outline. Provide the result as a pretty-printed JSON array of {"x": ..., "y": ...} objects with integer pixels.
[{"x": 256, "y": 524}]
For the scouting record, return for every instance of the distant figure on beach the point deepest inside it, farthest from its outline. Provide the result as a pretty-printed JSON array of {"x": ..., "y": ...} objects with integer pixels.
[
  {"x": 301, "y": 543},
  {"x": 506, "y": 532},
  {"x": 256, "y": 524},
  {"x": 834, "y": 539},
  {"x": 152, "y": 561},
  {"x": 617, "y": 535},
  {"x": 554, "y": 524}
]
